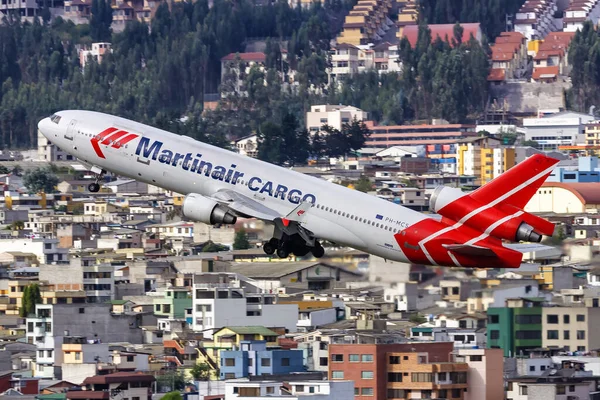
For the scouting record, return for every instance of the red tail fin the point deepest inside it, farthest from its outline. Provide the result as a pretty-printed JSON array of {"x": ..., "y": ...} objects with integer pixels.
[{"x": 517, "y": 185}]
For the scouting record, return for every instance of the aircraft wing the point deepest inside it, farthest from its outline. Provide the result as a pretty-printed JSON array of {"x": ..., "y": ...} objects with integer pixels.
[
  {"x": 245, "y": 205},
  {"x": 482, "y": 251}
]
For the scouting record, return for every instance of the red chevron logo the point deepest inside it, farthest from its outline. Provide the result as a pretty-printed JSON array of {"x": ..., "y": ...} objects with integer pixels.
[{"x": 112, "y": 137}]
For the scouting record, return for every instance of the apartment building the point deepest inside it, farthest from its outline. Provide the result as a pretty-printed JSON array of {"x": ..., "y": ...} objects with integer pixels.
[
  {"x": 125, "y": 385},
  {"x": 408, "y": 15},
  {"x": 366, "y": 23},
  {"x": 516, "y": 328},
  {"x": 294, "y": 390},
  {"x": 484, "y": 157},
  {"x": 81, "y": 358},
  {"x": 46, "y": 250},
  {"x": 550, "y": 132},
  {"x": 535, "y": 19},
  {"x": 411, "y": 32},
  {"x": 97, "y": 52},
  {"x": 247, "y": 146},
  {"x": 216, "y": 305},
  {"x": 485, "y": 374},
  {"x": 173, "y": 304},
  {"x": 580, "y": 11},
  {"x": 509, "y": 56},
  {"x": 371, "y": 366},
  {"x": 571, "y": 328},
  {"x": 254, "y": 359},
  {"x": 439, "y": 139},
  {"x": 53, "y": 322},
  {"x": 335, "y": 116}
]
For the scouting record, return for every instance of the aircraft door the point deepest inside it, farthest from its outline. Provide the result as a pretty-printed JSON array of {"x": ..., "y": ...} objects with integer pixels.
[{"x": 70, "y": 134}]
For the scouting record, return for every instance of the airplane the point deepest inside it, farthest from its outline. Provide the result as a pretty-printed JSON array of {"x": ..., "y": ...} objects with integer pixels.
[{"x": 480, "y": 229}]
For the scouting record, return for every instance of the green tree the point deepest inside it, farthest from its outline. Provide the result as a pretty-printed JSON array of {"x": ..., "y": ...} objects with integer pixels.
[
  {"x": 531, "y": 143},
  {"x": 31, "y": 297},
  {"x": 363, "y": 184},
  {"x": 4, "y": 170},
  {"x": 172, "y": 396},
  {"x": 241, "y": 240},
  {"x": 211, "y": 247},
  {"x": 417, "y": 318},
  {"x": 40, "y": 180},
  {"x": 172, "y": 380},
  {"x": 201, "y": 371}
]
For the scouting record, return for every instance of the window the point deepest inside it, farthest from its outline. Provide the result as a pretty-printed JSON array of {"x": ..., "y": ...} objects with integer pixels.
[
  {"x": 523, "y": 390},
  {"x": 456, "y": 393},
  {"x": 566, "y": 335},
  {"x": 442, "y": 376},
  {"x": 566, "y": 319},
  {"x": 580, "y": 318},
  {"x": 77, "y": 355},
  {"x": 580, "y": 335},
  {"x": 265, "y": 362},
  {"x": 285, "y": 362},
  {"x": 394, "y": 377},
  {"x": 495, "y": 335},
  {"x": 532, "y": 368},
  {"x": 366, "y": 375},
  {"x": 357, "y": 391},
  {"x": 129, "y": 358},
  {"x": 82, "y": 310},
  {"x": 580, "y": 348},
  {"x": 337, "y": 357},
  {"x": 552, "y": 335},
  {"x": 230, "y": 362},
  {"x": 528, "y": 319},
  {"x": 367, "y": 358},
  {"x": 393, "y": 360},
  {"x": 396, "y": 394},
  {"x": 552, "y": 319},
  {"x": 353, "y": 358},
  {"x": 560, "y": 389},
  {"x": 476, "y": 358},
  {"x": 366, "y": 391},
  {"x": 421, "y": 377},
  {"x": 270, "y": 390},
  {"x": 571, "y": 388},
  {"x": 337, "y": 375}
]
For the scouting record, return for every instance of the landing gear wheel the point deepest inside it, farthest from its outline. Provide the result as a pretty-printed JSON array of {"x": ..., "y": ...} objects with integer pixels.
[
  {"x": 269, "y": 248},
  {"x": 283, "y": 252},
  {"x": 301, "y": 250},
  {"x": 94, "y": 187},
  {"x": 318, "y": 251}
]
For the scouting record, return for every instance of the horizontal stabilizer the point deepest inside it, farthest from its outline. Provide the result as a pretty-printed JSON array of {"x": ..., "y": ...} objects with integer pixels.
[
  {"x": 471, "y": 250},
  {"x": 527, "y": 247}
]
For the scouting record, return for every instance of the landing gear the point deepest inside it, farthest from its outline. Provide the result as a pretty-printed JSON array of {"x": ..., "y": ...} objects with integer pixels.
[
  {"x": 271, "y": 246},
  {"x": 95, "y": 187},
  {"x": 292, "y": 245}
]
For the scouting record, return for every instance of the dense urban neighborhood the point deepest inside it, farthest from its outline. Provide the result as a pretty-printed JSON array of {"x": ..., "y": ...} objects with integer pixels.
[{"x": 117, "y": 295}]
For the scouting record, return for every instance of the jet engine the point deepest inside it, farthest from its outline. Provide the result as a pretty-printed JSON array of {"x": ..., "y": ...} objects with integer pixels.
[
  {"x": 203, "y": 209},
  {"x": 498, "y": 219}
]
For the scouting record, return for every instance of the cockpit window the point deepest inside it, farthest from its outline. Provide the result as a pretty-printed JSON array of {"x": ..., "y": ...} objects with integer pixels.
[{"x": 55, "y": 118}]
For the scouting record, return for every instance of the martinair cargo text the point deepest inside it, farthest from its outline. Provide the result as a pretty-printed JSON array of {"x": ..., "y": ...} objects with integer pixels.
[{"x": 469, "y": 230}]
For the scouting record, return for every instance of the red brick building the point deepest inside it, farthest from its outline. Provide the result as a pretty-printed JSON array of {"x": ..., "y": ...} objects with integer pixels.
[{"x": 367, "y": 364}]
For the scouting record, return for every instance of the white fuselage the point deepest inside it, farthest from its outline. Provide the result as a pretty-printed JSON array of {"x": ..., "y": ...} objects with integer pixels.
[{"x": 181, "y": 164}]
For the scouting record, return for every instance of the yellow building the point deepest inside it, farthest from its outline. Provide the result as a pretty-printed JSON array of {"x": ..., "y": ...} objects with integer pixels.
[
  {"x": 484, "y": 158},
  {"x": 408, "y": 16},
  {"x": 365, "y": 21}
]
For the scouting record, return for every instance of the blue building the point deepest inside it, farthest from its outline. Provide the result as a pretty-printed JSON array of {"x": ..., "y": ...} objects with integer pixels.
[
  {"x": 253, "y": 358},
  {"x": 587, "y": 171}
]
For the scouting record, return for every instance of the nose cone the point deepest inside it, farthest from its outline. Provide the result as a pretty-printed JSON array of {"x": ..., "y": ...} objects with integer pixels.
[{"x": 45, "y": 127}]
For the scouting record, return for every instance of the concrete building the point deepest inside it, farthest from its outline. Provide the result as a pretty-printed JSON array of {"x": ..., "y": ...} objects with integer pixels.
[
  {"x": 509, "y": 57},
  {"x": 483, "y": 157},
  {"x": 254, "y": 359},
  {"x": 535, "y": 19},
  {"x": 49, "y": 152},
  {"x": 127, "y": 385},
  {"x": 571, "y": 328},
  {"x": 217, "y": 305},
  {"x": 97, "y": 52},
  {"x": 587, "y": 170},
  {"x": 294, "y": 390},
  {"x": 52, "y": 323},
  {"x": 247, "y": 146},
  {"x": 366, "y": 23},
  {"x": 579, "y": 12},
  {"x": 565, "y": 198},
  {"x": 374, "y": 368},
  {"x": 439, "y": 139},
  {"x": 515, "y": 328},
  {"x": 485, "y": 374},
  {"x": 46, "y": 250},
  {"x": 335, "y": 116},
  {"x": 552, "y": 131},
  {"x": 174, "y": 303},
  {"x": 99, "y": 283},
  {"x": 81, "y": 358}
]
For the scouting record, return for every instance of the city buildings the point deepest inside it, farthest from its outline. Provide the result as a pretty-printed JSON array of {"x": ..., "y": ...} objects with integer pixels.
[
  {"x": 484, "y": 157},
  {"x": 440, "y": 139},
  {"x": 254, "y": 359},
  {"x": 332, "y": 115},
  {"x": 443, "y": 31},
  {"x": 536, "y": 18},
  {"x": 552, "y": 131},
  {"x": 97, "y": 52}
]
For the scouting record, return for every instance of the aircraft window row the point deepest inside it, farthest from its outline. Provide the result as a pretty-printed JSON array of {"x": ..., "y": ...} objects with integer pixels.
[
  {"x": 356, "y": 218},
  {"x": 55, "y": 118}
]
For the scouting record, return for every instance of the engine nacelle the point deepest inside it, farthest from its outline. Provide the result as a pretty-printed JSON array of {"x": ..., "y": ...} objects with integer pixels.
[
  {"x": 501, "y": 221},
  {"x": 203, "y": 209}
]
